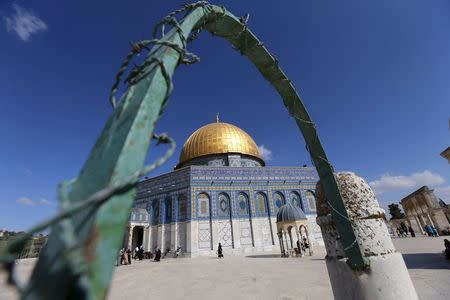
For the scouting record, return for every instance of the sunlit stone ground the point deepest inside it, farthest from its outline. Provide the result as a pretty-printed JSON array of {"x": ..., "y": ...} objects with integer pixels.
[{"x": 264, "y": 276}]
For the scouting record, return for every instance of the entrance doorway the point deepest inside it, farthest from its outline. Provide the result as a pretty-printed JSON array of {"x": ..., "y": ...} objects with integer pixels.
[{"x": 138, "y": 237}]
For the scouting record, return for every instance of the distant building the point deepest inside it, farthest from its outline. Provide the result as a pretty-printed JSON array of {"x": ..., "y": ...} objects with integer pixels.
[
  {"x": 220, "y": 192},
  {"x": 446, "y": 154},
  {"x": 422, "y": 208}
]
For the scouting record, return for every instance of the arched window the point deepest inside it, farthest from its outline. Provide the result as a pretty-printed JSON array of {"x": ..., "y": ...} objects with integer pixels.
[
  {"x": 203, "y": 205},
  {"x": 278, "y": 199},
  {"x": 243, "y": 204},
  {"x": 182, "y": 207},
  {"x": 224, "y": 205},
  {"x": 295, "y": 199},
  {"x": 311, "y": 200},
  {"x": 168, "y": 204},
  {"x": 155, "y": 220},
  {"x": 261, "y": 202}
]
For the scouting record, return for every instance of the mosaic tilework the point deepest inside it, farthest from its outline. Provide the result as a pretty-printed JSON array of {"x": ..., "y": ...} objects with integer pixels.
[
  {"x": 188, "y": 182},
  {"x": 225, "y": 233},
  {"x": 204, "y": 235}
]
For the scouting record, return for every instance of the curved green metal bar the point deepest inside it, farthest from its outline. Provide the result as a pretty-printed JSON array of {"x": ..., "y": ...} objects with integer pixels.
[{"x": 92, "y": 238}]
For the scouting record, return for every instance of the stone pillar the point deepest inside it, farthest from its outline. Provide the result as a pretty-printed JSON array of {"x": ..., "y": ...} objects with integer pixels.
[
  {"x": 149, "y": 238},
  {"x": 280, "y": 241},
  {"x": 420, "y": 220},
  {"x": 162, "y": 225},
  {"x": 387, "y": 276},
  {"x": 236, "y": 228},
  {"x": 287, "y": 242},
  {"x": 418, "y": 224},
  {"x": 311, "y": 252},
  {"x": 176, "y": 226},
  {"x": 144, "y": 237},
  {"x": 130, "y": 237},
  {"x": 189, "y": 237},
  {"x": 430, "y": 220},
  {"x": 290, "y": 238}
]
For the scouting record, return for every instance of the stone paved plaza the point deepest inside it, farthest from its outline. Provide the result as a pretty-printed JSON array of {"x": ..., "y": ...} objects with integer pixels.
[{"x": 264, "y": 276}]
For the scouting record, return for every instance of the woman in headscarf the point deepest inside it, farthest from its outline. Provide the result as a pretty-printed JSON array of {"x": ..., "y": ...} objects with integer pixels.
[
  {"x": 158, "y": 255},
  {"x": 141, "y": 253},
  {"x": 220, "y": 251}
]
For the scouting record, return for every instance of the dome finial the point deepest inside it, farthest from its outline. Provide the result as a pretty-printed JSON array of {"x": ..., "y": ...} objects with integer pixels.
[{"x": 217, "y": 118}]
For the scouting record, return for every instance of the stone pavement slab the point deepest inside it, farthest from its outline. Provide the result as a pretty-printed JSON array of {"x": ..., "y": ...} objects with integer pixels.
[{"x": 261, "y": 276}]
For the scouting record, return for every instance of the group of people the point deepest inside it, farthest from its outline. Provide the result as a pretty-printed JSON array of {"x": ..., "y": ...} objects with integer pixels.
[
  {"x": 405, "y": 231},
  {"x": 124, "y": 257},
  {"x": 431, "y": 231},
  {"x": 139, "y": 253},
  {"x": 303, "y": 245}
]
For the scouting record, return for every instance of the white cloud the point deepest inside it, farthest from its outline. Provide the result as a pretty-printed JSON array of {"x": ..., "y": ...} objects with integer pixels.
[
  {"x": 25, "y": 201},
  {"x": 30, "y": 202},
  {"x": 443, "y": 193},
  {"x": 389, "y": 183},
  {"x": 265, "y": 153},
  {"x": 24, "y": 23},
  {"x": 44, "y": 201}
]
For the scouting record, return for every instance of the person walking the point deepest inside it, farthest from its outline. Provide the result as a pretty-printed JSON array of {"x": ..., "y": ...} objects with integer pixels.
[
  {"x": 126, "y": 259},
  {"x": 158, "y": 255},
  {"x": 219, "y": 251},
  {"x": 141, "y": 253},
  {"x": 434, "y": 231},
  {"x": 411, "y": 231},
  {"x": 129, "y": 255},
  {"x": 447, "y": 248},
  {"x": 428, "y": 230},
  {"x": 122, "y": 257}
]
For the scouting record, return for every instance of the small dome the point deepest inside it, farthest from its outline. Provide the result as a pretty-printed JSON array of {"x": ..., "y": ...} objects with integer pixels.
[
  {"x": 219, "y": 138},
  {"x": 289, "y": 213}
]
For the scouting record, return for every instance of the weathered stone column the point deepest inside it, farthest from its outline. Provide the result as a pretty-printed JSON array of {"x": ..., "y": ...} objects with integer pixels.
[
  {"x": 387, "y": 276},
  {"x": 418, "y": 224},
  {"x": 421, "y": 221},
  {"x": 298, "y": 239},
  {"x": 430, "y": 220},
  {"x": 310, "y": 244},
  {"x": 290, "y": 238},
  {"x": 280, "y": 241},
  {"x": 149, "y": 238},
  {"x": 130, "y": 237},
  {"x": 286, "y": 241}
]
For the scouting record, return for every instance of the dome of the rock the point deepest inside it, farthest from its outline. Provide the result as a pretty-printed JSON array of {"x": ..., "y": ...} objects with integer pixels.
[{"x": 216, "y": 139}]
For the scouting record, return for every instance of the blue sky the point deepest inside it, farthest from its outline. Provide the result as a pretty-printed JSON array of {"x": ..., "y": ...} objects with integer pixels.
[{"x": 373, "y": 75}]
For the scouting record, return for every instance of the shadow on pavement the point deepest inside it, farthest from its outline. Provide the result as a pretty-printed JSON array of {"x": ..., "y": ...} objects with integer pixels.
[
  {"x": 426, "y": 261},
  {"x": 265, "y": 256}
]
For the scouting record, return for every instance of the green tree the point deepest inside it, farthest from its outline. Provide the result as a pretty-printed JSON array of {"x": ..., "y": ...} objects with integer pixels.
[{"x": 395, "y": 211}]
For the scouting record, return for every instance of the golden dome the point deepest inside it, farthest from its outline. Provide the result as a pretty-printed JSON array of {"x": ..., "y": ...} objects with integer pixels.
[{"x": 219, "y": 138}]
